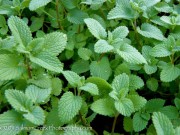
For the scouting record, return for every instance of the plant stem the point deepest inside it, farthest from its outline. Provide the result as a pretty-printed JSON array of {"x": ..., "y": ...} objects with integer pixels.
[
  {"x": 114, "y": 124},
  {"x": 57, "y": 15},
  {"x": 28, "y": 68}
]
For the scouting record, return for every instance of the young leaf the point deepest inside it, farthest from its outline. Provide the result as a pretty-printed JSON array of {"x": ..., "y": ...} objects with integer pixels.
[
  {"x": 36, "y": 116},
  {"x": 120, "y": 32},
  {"x": 102, "y": 46},
  {"x": 37, "y": 95},
  {"x": 95, "y": 28},
  {"x": 162, "y": 124},
  {"x": 73, "y": 78},
  {"x": 130, "y": 54},
  {"x": 150, "y": 31},
  {"x": 124, "y": 106},
  {"x": 150, "y": 69},
  {"x": 68, "y": 107},
  {"x": 160, "y": 51},
  {"x": 101, "y": 68},
  {"x": 104, "y": 106},
  {"x": 11, "y": 66},
  {"x": 135, "y": 82},
  {"x": 56, "y": 86},
  {"x": 152, "y": 84},
  {"x": 18, "y": 100},
  {"x": 35, "y": 4},
  {"x": 84, "y": 53},
  {"x": 20, "y": 30},
  {"x": 91, "y": 88}
]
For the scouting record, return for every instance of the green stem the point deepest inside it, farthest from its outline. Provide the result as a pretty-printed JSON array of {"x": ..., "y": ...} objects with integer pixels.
[
  {"x": 114, "y": 124},
  {"x": 57, "y": 15}
]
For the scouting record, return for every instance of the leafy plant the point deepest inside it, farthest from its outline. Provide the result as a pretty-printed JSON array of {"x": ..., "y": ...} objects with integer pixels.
[{"x": 66, "y": 63}]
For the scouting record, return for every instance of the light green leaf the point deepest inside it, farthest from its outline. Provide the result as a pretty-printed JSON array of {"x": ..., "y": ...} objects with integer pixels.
[
  {"x": 56, "y": 86},
  {"x": 11, "y": 66},
  {"x": 91, "y": 88},
  {"x": 138, "y": 101},
  {"x": 47, "y": 61},
  {"x": 177, "y": 103},
  {"x": 150, "y": 31},
  {"x": 18, "y": 100},
  {"x": 163, "y": 7},
  {"x": 152, "y": 84},
  {"x": 102, "y": 46},
  {"x": 169, "y": 73},
  {"x": 54, "y": 43},
  {"x": 95, "y": 28},
  {"x": 120, "y": 32},
  {"x": 130, "y": 54},
  {"x": 177, "y": 130},
  {"x": 154, "y": 105},
  {"x": 160, "y": 51},
  {"x": 162, "y": 124},
  {"x": 151, "y": 3},
  {"x": 35, "y": 4},
  {"x": 37, "y": 95},
  {"x": 36, "y": 116},
  {"x": 84, "y": 53},
  {"x": 104, "y": 106},
  {"x": 68, "y": 107},
  {"x": 78, "y": 130},
  {"x": 150, "y": 69},
  {"x": 139, "y": 123},
  {"x": 20, "y": 31},
  {"x": 135, "y": 82},
  {"x": 101, "y": 68},
  {"x": 124, "y": 106},
  {"x": 73, "y": 78}
]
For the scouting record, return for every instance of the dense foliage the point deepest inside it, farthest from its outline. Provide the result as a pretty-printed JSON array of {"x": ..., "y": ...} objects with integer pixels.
[{"x": 63, "y": 63}]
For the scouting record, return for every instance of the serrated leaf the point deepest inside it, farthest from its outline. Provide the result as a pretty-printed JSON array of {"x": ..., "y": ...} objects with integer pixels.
[
  {"x": 11, "y": 66},
  {"x": 124, "y": 106},
  {"x": 160, "y": 51},
  {"x": 95, "y": 28},
  {"x": 101, "y": 68},
  {"x": 120, "y": 32},
  {"x": 68, "y": 106},
  {"x": 73, "y": 78},
  {"x": 135, "y": 82},
  {"x": 56, "y": 86},
  {"x": 36, "y": 116},
  {"x": 104, "y": 106},
  {"x": 130, "y": 54},
  {"x": 54, "y": 43},
  {"x": 170, "y": 111},
  {"x": 154, "y": 105},
  {"x": 169, "y": 73},
  {"x": 91, "y": 88},
  {"x": 139, "y": 123},
  {"x": 80, "y": 130},
  {"x": 84, "y": 53},
  {"x": 138, "y": 101},
  {"x": 37, "y": 95},
  {"x": 152, "y": 84},
  {"x": 128, "y": 124},
  {"x": 162, "y": 124},
  {"x": 35, "y": 4},
  {"x": 80, "y": 66},
  {"x": 47, "y": 61},
  {"x": 163, "y": 7},
  {"x": 102, "y": 46},
  {"x": 150, "y": 31},
  {"x": 150, "y": 69},
  {"x": 18, "y": 100},
  {"x": 20, "y": 31}
]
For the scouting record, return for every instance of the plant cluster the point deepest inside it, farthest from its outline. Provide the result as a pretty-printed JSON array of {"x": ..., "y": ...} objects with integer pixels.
[{"x": 65, "y": 62}]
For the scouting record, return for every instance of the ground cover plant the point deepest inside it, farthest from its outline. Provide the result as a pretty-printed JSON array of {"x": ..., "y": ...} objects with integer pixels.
[{"x": 82, "y": 67}]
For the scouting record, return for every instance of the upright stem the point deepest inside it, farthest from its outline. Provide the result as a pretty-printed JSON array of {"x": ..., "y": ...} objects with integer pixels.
[
  {"x": 114, "y": 124},
  {"x": 28, "y": 68},
  {"x": 57, "y": 15}
]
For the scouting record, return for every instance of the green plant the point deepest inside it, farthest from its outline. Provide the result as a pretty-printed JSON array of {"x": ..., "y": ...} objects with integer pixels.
[{"x": 62, "y": 62}]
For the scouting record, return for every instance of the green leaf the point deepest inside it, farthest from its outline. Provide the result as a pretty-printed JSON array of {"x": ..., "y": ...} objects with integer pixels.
[
  {"x": 18, "y": 100},
  {"x": 70, "y": 4},
  {"x": 47, "y": 61},
  {"x": 104, "y": 106},
  {"x": 56, "y": 86},
  {"x": 37, "y": 23},
  {"x": 163, "y": 7},
  {"x": 170, "y": 111},
  {"x": 78, "y": 130},
  {"x": 150, "y": 69},
  {"x": 102, "y": 46},
  {"x": 95, "y": 28},
  {"x": 101, "y": 68},
  {"x": 124, "y": 106},
  {"x": 34, "y": 4},
  {"x": 91, "y": 88},
  {"x": 177, "y": 130},
  {"x": 135, "y": 82},
  {"x": 138, "y": 101},
  {"x": 130, "y": 54},
  {"x": 54, "y": 43},
  {"x": 69, "y": 106},
  {"x": 20, "y": 31},
  {"x": 84, "y": 53},
  {"x": 80, "y": 66},
  {"x": 154, "y": 105},
  {"x": 37, "y": 95},
  {"x": 162, "y": 124},
  {"x": 152, "y": 84},
  {"x": 150, "y": 31},
  {"x": 128, "y": 124},
  {"x": 120, "y": 32},
  {"x": 139, "y": 123},
  {"x": 151, "y": 3},
  {"x": 177, "y": 103},
  {"x": 160, "y": 51},
  {"x": 169, "y": 73},
  {"x": 73, "y": 78},
  {"x": 36, "y": 116},
  {"x": 11, "y": 66}
]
